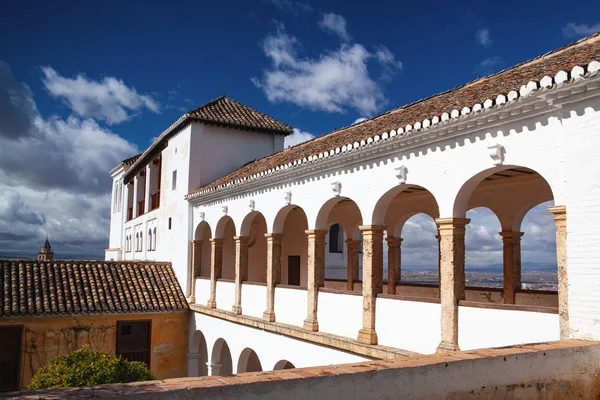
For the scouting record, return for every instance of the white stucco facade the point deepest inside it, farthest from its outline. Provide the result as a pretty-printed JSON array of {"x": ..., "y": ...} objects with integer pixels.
[{"x": 509, "y": 154}]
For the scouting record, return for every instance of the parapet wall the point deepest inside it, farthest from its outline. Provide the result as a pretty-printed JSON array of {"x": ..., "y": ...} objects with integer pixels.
[{"x": 566, "y": 369}]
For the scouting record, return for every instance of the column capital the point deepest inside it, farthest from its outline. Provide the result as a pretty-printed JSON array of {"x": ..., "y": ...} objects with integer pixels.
[
  {"x": 510, "y": 235},
  {"x": 393, "y": 241},
  {"x": 193, "y": 356},
  {"x": 372, "y": 228},
  {"x": 447, "y": 224},
  {"x": 316, "y": 232},
  {"x": 216, "y": 241},
  {"x": 241, "y": 239},
  {"x": 196, "y": 241},
  {"x": 560, "y": 214},
  {"x": 274, "y": 236}
]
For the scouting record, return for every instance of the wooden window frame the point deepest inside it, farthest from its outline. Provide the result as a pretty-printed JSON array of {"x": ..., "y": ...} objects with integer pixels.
[{"x": 121, "y": 322}]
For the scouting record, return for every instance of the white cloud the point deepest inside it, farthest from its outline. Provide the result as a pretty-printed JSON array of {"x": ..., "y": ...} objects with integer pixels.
[
  {"x": 109, "y": 100},
  {"x": 483, "y": 37},
  {"x": 357, "y": 120},
  {"x": 332, "y": 82},
  {"x": 297, "y": 137},
  {"x": 335, "y": 24},
  {"x": 54, "y": 178},
  {"x": 578, "y": 30}
]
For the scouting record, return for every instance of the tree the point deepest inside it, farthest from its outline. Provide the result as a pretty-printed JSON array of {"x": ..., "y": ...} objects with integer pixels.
[{"x": 85, "y": 367}]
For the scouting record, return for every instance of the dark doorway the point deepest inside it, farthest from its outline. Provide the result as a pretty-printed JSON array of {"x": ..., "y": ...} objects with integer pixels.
[
  {"x": 133, "y": 341},
  {"x": 294, "y": 270},
  {"x": 10, "y": 356}
]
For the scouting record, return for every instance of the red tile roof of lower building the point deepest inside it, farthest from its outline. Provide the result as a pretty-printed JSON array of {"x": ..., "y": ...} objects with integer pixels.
[{"x": 29, "y": 288}]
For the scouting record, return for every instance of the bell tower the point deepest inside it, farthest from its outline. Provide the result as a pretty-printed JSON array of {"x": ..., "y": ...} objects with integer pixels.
[{"x": 46, "y": 253}]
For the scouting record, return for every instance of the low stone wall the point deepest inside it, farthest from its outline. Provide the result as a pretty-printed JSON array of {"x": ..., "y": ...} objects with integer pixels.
[{"x": 566, "y": 369}]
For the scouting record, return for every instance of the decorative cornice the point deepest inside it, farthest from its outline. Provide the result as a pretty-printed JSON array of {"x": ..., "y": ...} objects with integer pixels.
[{"x": 418, "y": 131}]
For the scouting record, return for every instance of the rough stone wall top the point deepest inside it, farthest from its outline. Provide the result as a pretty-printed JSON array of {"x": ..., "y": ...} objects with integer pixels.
[
  {"x": 478, "y": 91},
  {"x": 30, "y": 288}
]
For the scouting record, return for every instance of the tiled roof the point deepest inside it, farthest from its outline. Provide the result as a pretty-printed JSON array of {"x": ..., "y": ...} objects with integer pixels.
[
  {"x": 226, "y": 111},
  {"x": 222, "y": 111},
  {"x": 131, "y": 160},
  {"x": 483, "y": 93},
  {"x": 29, "y": 288}
]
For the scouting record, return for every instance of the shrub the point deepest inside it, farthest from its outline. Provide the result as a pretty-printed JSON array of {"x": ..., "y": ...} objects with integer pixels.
[{"x": 85, "y": 367}]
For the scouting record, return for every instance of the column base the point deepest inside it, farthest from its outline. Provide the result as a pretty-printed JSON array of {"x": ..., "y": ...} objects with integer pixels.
[
  {"x": 237, "y": 309},
  {"x": 445, "y": 347},
  {"x": 211, "y": 304},
  {"x": 311, "y": 324},
  {"x": 269, "y": 316},
  {"x": 192, "y": 299},
  {"x": 367, "y": 336}
]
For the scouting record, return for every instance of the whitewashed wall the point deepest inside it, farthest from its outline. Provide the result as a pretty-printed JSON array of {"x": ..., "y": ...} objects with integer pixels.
[{"x": 269, "y": 347}]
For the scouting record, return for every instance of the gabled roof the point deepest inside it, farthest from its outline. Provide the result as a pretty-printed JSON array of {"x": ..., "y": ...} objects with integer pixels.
[
  {"x": 222, "y": 111},
  {"x": 490, "y": 91},
  {"x": 29, "y": 288},
  {"x": 226, "y": 111}
]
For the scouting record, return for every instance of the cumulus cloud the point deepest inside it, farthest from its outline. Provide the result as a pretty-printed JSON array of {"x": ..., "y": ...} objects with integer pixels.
[
  {"x": 483, "y": 37},
  {"x": 335, "y": 24},
  {"x": 297, "y": 137},
  {"x": 357, "y": 120},
  {"x": 578, "y": 30},
  {"x": 54, "y": 178},
  {"x": 16, "y": 105},
  {"x": 109, "y": 100},
  {"x": 332, "y": 82}
]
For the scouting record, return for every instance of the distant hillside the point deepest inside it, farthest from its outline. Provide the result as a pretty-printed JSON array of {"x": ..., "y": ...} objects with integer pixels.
[{"x": 526, "y": 267}]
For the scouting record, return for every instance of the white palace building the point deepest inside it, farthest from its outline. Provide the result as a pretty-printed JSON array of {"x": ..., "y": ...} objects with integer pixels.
[{"x": 250, "y": 227}]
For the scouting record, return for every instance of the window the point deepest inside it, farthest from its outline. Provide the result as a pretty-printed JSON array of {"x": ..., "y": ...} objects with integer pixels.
[
  {"x": 126, "y": 244},
  {"x": 336, "y": 239},
  {"x": 169, "y": 223},
  {"x": 174, "y": 180},
  {"x": 154, "y": 240},
  {"x": 149, "y": 245},
  {"x": 133, "y": 341}
]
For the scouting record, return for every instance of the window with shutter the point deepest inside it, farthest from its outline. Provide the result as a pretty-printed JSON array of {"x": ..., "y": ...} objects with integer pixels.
[{"x": 133, "y": 340}]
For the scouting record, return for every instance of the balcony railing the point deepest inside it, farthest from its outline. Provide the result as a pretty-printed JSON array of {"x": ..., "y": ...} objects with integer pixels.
[
  {"x": 155, "y": 201},
  {"x": 140, "y": 207},
  {"x": 129, "y": 213}
]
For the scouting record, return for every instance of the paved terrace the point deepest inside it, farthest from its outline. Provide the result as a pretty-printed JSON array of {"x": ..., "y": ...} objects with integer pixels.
[{"x": 555, "y": 370}]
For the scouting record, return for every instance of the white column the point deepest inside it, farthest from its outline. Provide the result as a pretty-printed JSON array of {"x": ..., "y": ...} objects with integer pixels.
[
  {"x": 135, "y": 195},
  {"x": 147, "y": 188}
]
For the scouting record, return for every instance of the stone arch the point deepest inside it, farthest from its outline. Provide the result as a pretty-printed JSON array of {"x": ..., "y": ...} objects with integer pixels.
[
  {"x": 198, "y": 355},
  {"x": 283, "y": 364},
  {"x": 292, "y": 221},
  {"x": 220, "y": 359},
  {"x": 255, "y": 227},
  {"x": 248, "y": 361},
  {"x": 201, "y": 250},
  {"x": 502, "y": 172},
  {"x": 226, "y": 230}
]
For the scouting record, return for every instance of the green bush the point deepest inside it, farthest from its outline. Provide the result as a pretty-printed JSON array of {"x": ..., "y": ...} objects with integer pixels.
[{"x": 85, "y": 367}]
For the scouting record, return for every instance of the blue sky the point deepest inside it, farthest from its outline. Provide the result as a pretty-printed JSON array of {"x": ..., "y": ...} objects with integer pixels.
[{"x": 113, "y": 75}]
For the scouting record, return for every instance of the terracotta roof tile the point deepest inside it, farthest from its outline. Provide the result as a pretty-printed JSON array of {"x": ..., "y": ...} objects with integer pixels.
[
  {"x": 225, "y": 110},
  {"x": 476, "y": 92},
  {"x": 29, "y": 288}
]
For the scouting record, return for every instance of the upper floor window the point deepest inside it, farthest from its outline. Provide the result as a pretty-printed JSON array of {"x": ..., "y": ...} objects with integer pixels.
[
  {"x": 336, "y": 239},
  {"x": 174, "y": 181},
  {"x": 154, "y": 240},
  {"x": 149, "y": 244}
]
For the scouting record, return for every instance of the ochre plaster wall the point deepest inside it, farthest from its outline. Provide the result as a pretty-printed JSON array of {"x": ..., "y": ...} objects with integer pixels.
[{"x": 46, "y": 337}]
